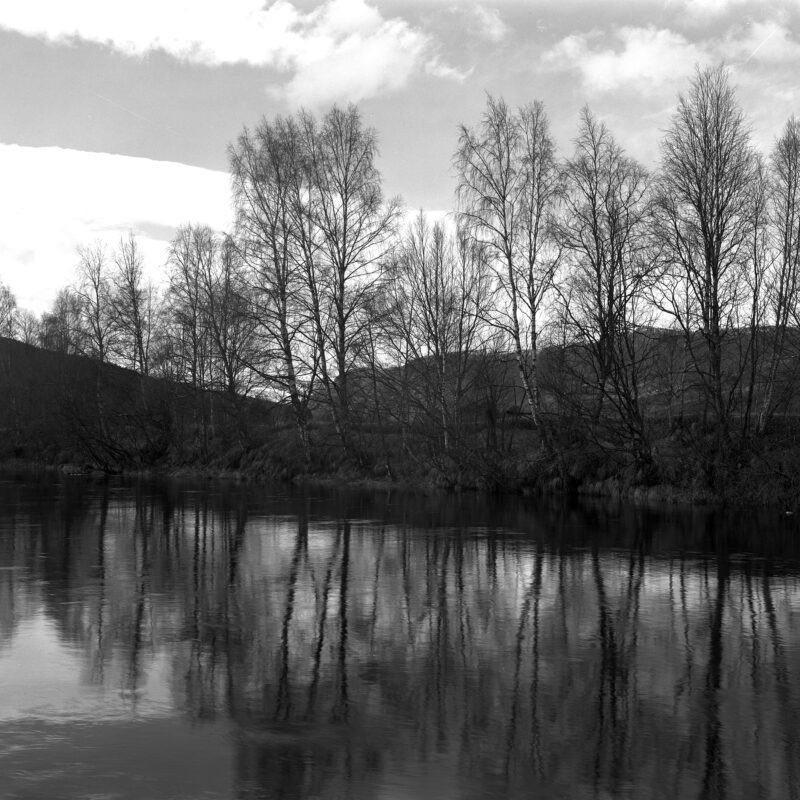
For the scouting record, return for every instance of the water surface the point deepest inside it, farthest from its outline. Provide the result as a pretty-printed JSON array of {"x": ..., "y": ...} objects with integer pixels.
[{"x": 176, "y": 640}]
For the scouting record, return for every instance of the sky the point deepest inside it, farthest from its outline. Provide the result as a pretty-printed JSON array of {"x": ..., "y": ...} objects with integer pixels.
[{"x": 117, "y": 116}]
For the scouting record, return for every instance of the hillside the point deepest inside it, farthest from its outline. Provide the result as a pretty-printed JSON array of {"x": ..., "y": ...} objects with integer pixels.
[{"x": 57, "y": 409}]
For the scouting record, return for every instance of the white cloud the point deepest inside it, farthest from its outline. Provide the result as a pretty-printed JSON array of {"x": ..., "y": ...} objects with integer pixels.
[
  {"x": 489, "y": 24},
  {"x": 438, "y": 69},
  {"x": 644, "y": 59},
  {"x": 651, "y": 59},
  {"x": 701, "y": 11},
  {"x": 53, "y": 199},
  {"x": 238, "y": 30},
  {"x": 352, "y": 53},
  {"x": 766, "y": 42},
  {"x": 342, "y": 49}
]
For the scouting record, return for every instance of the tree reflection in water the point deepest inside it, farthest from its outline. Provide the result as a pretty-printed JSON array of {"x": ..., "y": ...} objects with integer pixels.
[{"x": 363, "y": 646}]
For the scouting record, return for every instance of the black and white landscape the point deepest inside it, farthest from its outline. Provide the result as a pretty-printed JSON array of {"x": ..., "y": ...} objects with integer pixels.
[{"x": 399, "y": 399}]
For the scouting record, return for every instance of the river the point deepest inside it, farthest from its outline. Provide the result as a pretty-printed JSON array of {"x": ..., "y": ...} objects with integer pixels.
[{"x": 168, "y": 639}]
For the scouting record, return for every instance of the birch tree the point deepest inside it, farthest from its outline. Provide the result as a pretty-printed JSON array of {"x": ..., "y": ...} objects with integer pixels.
[
  {"x": 347, "y": 227},
  {"x": 270, "y": 189},
  {"x": 783, "y": 287},
  {"x": 609, "y": 268},
  {"x": 508, "y": 186},
  {"x": 94, "y": 293},
  {"x": 705, "y": 224},
  {"x": 8, "y": 311},
  {"x": 135, "y": 306},
  {"x": 437, "y": 296},
  {"x": 189, "y": 251}
]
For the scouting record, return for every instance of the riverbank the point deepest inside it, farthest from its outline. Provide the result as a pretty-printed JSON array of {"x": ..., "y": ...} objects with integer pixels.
[
  {"x": 79, "y": 416},
  {"x": 744, "y": 488}
]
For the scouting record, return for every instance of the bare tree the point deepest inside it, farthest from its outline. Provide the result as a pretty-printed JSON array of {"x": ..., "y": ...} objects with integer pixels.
[
  {"x": 135, "y": 306},
  {"x": 94, "y": 293},
  {"x": 8, "y": 312},
  {"x": 228, "y": 318},
  {"x": 27, "y": 327},
  {"x": 61, "y": 329},
  {"x": 189, "y": 251},
  {"x": 705, "y": 224},
  {"x": 508, "y": 187},
  {"x": 755, "y": 338},
  {"x": 603, "y": 230},
  {"x": 187, "y": 338},
  {"x": 783, "y": 282},
  {"x": 435, "y": 300},
  {"x": 347, "y": 228},
  {"x": 270, "y": 191}
]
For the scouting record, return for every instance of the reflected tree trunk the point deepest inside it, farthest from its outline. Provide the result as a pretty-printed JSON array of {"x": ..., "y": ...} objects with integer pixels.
[
  {"x": 341, "y": 709},
  {"x": 283, "y": 700},
  {"x": 783, "y": 691},
  {"x": 98, "y": 667},
  {"x": 714, "y": 777},
  {"x": 322, "y": 616},
  {"x": 536, "y": 738},
  {"x": 607, "y": 698}
]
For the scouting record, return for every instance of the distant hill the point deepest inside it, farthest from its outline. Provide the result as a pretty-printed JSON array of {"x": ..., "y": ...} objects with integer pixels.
[{"x": 61, "y": 408}]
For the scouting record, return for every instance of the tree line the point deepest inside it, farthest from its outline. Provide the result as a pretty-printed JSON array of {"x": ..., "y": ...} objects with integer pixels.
[{"x": 569, "y": 305}]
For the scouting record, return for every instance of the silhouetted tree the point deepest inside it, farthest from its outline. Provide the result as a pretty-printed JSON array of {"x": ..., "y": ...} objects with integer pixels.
[
  {"x": 783, "y": 281},
  {"x": 508, "y": 187},
  {"x": 135, "y": 306},
  {"x": 8, "y": 312},
  {"x": 61, "y": 329},
  {"x": 189, "y": 251},
  {"x": 94, "y": 293},
  {"x": 610, "y": 267},
  {"x": 705, "y": 224},
  {"x": 347, "y": 227},
  {"x": 270, "y": 188},
  {"x": 434, "y": 307}
]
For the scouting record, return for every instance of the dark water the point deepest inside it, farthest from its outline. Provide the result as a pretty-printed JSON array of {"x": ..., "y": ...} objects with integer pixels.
[{"x": 165, "y": 640}]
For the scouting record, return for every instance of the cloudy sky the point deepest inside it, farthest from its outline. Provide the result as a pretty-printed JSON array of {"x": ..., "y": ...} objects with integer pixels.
[{"x": 116, "y": 115}]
